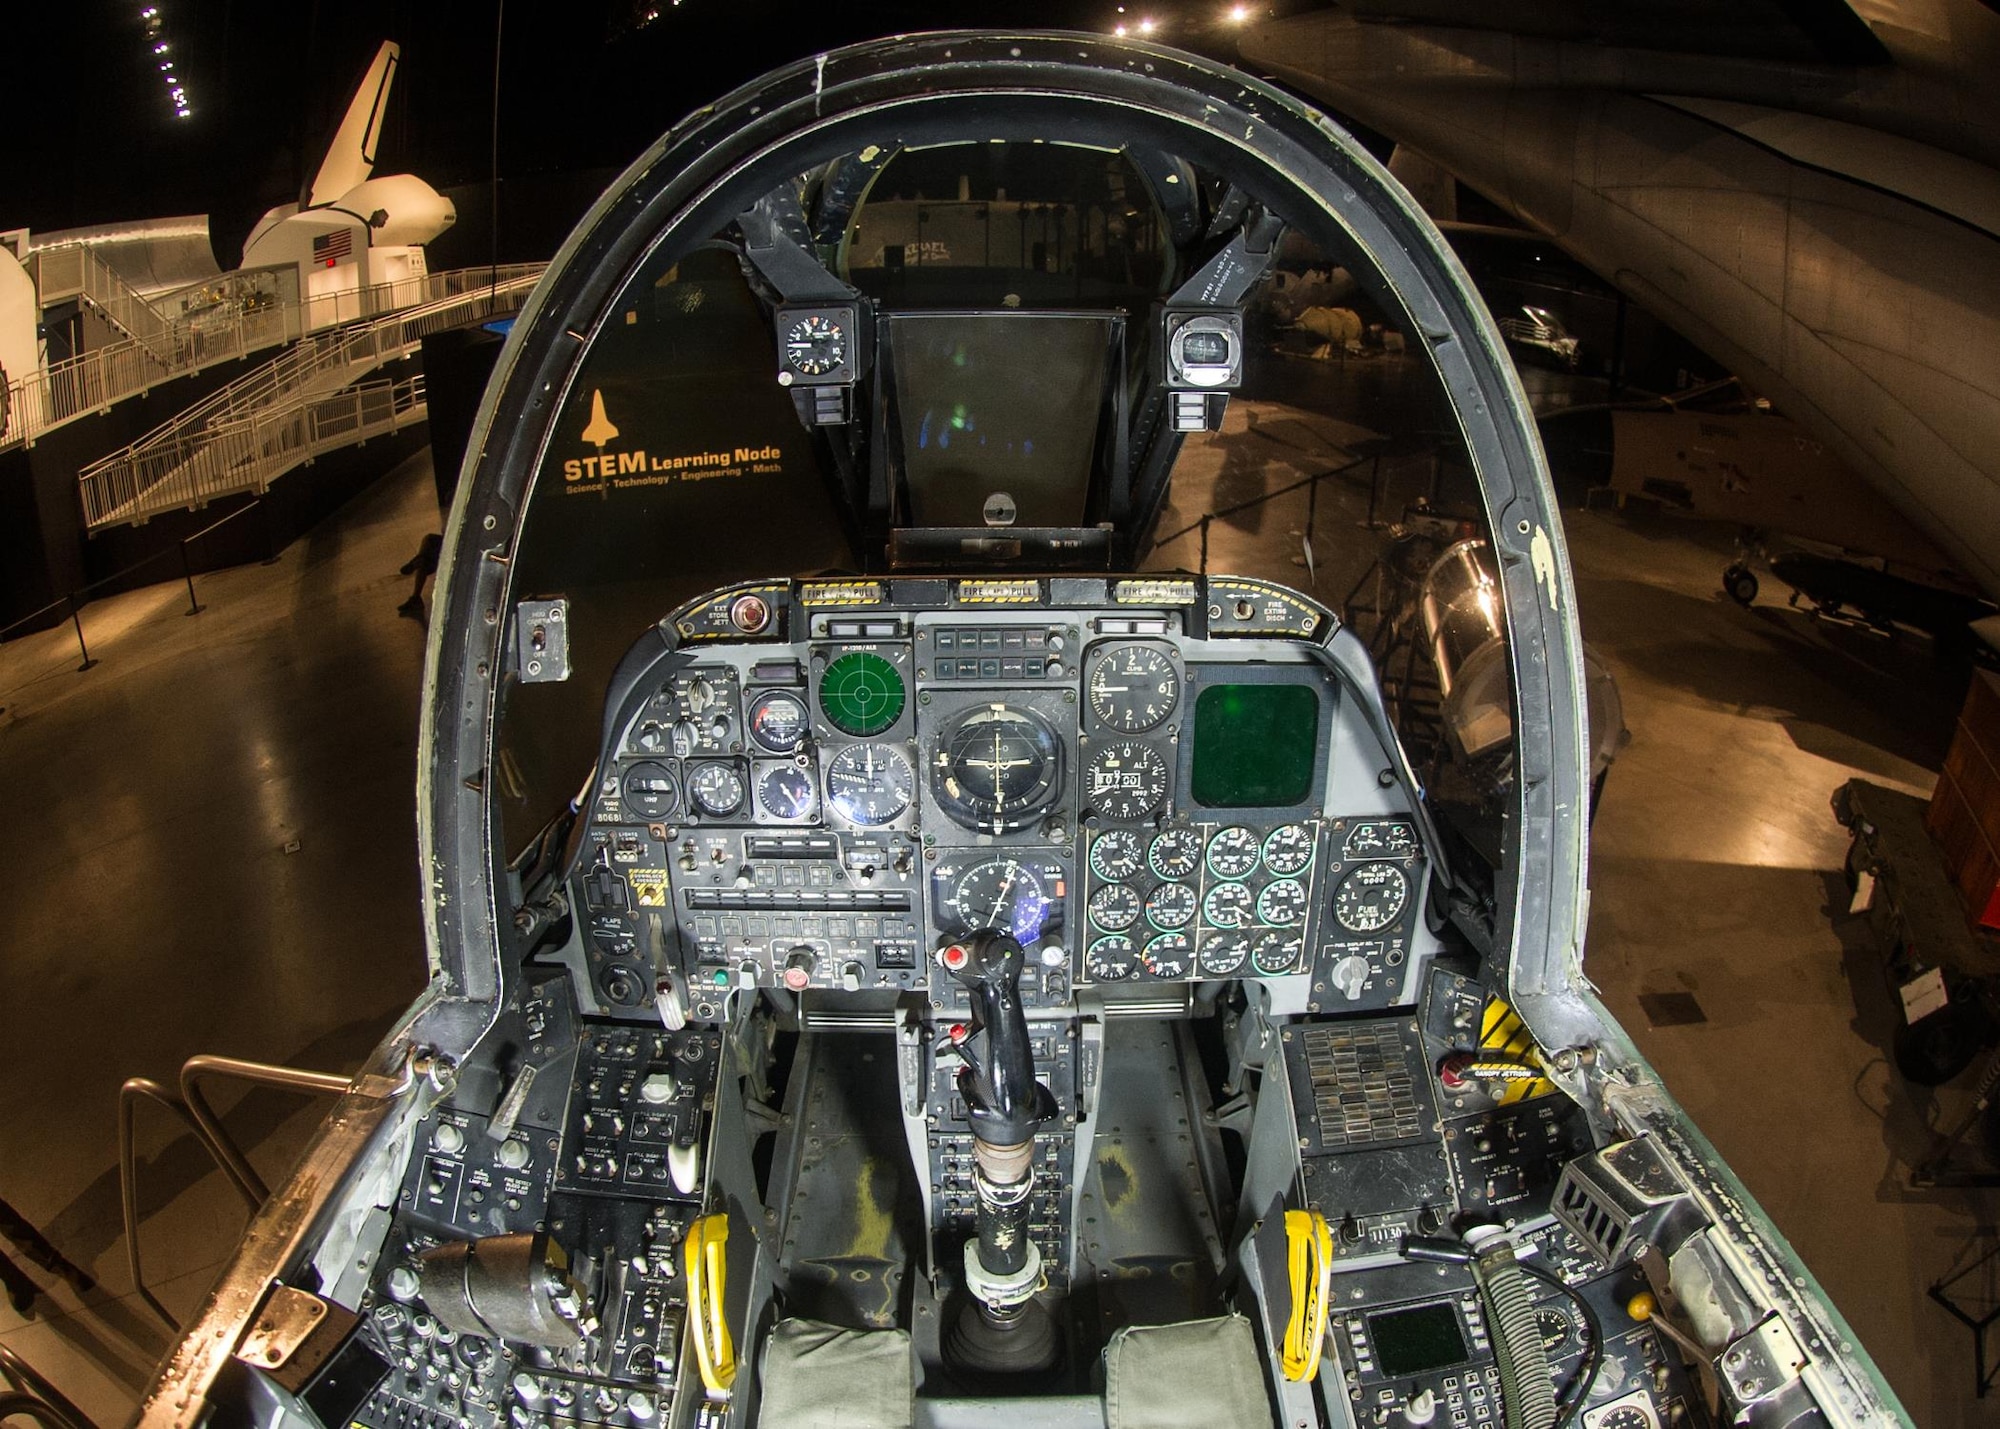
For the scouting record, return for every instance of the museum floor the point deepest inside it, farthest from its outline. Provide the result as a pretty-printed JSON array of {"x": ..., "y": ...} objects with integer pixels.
[{"x": 212, "y": 843}]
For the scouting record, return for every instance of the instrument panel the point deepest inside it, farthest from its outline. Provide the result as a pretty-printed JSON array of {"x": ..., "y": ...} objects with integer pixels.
[{"x": 835, "y": 780}]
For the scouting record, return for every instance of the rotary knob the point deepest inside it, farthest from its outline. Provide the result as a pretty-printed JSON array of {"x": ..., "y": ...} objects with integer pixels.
[
  {"x": 658, "y": 1088},
  {"x": 1350, "y": 975}
]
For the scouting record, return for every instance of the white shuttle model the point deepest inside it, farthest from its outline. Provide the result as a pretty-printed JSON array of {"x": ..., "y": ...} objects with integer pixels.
[{"x": 355, "y": 230}]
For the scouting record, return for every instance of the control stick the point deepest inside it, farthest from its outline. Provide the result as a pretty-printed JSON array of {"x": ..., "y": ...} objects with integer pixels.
[{"x": 1002, "y": 1329}]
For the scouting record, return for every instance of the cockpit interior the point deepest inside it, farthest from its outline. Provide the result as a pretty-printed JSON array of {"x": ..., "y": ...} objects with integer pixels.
[{"x": 917, "y": 936}]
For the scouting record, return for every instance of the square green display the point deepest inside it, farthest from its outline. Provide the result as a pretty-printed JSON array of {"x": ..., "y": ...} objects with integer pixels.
[{"x": 1254, "y": 745}]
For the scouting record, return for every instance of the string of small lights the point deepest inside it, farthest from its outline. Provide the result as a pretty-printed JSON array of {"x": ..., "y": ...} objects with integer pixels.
[{"x": 164, "y": 58}]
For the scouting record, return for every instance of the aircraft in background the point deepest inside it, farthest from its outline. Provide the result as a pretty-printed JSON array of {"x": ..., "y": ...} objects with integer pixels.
[
  {"x": 350, "y": 228},
  {"x": 1811, "y": 193},
  {"x": 1717, "y": 453}
]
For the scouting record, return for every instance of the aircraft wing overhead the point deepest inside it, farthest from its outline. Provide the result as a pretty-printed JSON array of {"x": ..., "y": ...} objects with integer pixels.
[
  {"x": 1798, "y": 31},
  {"x": 350, "y": 159}
]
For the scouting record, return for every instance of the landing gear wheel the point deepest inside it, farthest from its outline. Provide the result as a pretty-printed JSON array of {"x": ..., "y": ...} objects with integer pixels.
[
  {"x": 1937, "y": 1048},
  {"x": 1740, "y": 583}
]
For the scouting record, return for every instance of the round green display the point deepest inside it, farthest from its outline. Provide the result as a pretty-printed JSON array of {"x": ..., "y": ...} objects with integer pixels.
[{"x": 861, "y": 693}]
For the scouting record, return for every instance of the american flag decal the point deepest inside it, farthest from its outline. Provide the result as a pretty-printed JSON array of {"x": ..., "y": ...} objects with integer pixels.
[{"x": 330, "y": 248}]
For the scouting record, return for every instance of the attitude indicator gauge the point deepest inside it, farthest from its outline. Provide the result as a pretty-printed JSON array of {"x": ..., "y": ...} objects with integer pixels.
[
  {"x": 997, "y": 768},
  {"x": 1132, "y": 688}
]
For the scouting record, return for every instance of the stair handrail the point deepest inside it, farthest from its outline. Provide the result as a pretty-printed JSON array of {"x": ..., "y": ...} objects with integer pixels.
[
  {"x": 108, "y": 292},
  {"x": 181, "y": 440},
  {"x": 251, "y": 452},
  {"x": 35, "y": 1397},
  {"x": 94, "y": 381}
]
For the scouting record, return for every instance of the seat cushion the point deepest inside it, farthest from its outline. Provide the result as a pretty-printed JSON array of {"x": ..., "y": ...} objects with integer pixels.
[
  {"x": 819, "y": 1376},
  {"x": 1203, "y": 1374}
]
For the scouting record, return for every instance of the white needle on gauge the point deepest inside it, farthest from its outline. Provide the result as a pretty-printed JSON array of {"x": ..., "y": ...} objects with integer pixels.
[{"x": 993, "y": 918}]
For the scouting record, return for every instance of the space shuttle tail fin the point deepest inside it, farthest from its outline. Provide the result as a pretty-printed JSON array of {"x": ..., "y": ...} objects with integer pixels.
[{"x": 350, "y": 159}]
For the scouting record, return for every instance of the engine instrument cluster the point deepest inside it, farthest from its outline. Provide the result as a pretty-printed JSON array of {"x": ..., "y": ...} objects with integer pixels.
[{"x": 1144, "y": 782}]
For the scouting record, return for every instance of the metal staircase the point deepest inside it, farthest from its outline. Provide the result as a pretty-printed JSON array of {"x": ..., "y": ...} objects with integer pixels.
[
  {"x": 219, "y": 320},
  {"x": 75, "y": 271},
  {"x": 309, "y": 399}
]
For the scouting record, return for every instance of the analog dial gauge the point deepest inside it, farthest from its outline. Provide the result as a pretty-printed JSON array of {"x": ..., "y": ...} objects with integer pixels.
[
  {"x": 1001, "y": 893},
  {"x": 650, "y": 791},
  {"x": 861, "y": 693},
  {"x": 1371, "y": 897},
  {"x": 1171, "y": 905},
  {"x": 1383, "y": 840},
  {"x": 1283, "y": 902},
  {"x": 870, "y": 784},
  {"x": 815, "y": 345},
  {"x": 1125, "y": 781},
  {"x": 1228, "y": 905},
  {"x": 997, "y": 768},
  {"x": 778, "y": 721},
  {"x": 787, "y": 792},
  {"x": 1170, "y": 955},
  {"x": 1289, "y": 849},
  {"x": 1131, "y": 688},
  {"x": 1223, "y": 953},
  {"x": 1116, "y": 854},
  {"x": 1114, "y": 907},
  {"x": 1625, "y": 1416},
  {"x": 1273, "y": 952},
  {"x": 1112, "y": 959},
  {"x": 1175, "y": 854},
  {"x": 1233, "y": 852},
  {"x": 717, "y": 789}
]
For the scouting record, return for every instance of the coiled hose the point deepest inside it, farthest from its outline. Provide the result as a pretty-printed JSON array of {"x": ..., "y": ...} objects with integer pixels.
[{"x": 1526, "y": 1387}]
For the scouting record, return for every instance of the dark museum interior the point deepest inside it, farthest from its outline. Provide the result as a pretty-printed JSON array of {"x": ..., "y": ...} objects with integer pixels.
[{"x": 1066, "y": 715}]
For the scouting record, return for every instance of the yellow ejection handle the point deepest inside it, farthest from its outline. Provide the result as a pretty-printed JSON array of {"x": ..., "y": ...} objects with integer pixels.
[
  {"x": 707, "y": 1272},
  {"x": 1311, "y": 1245}
]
